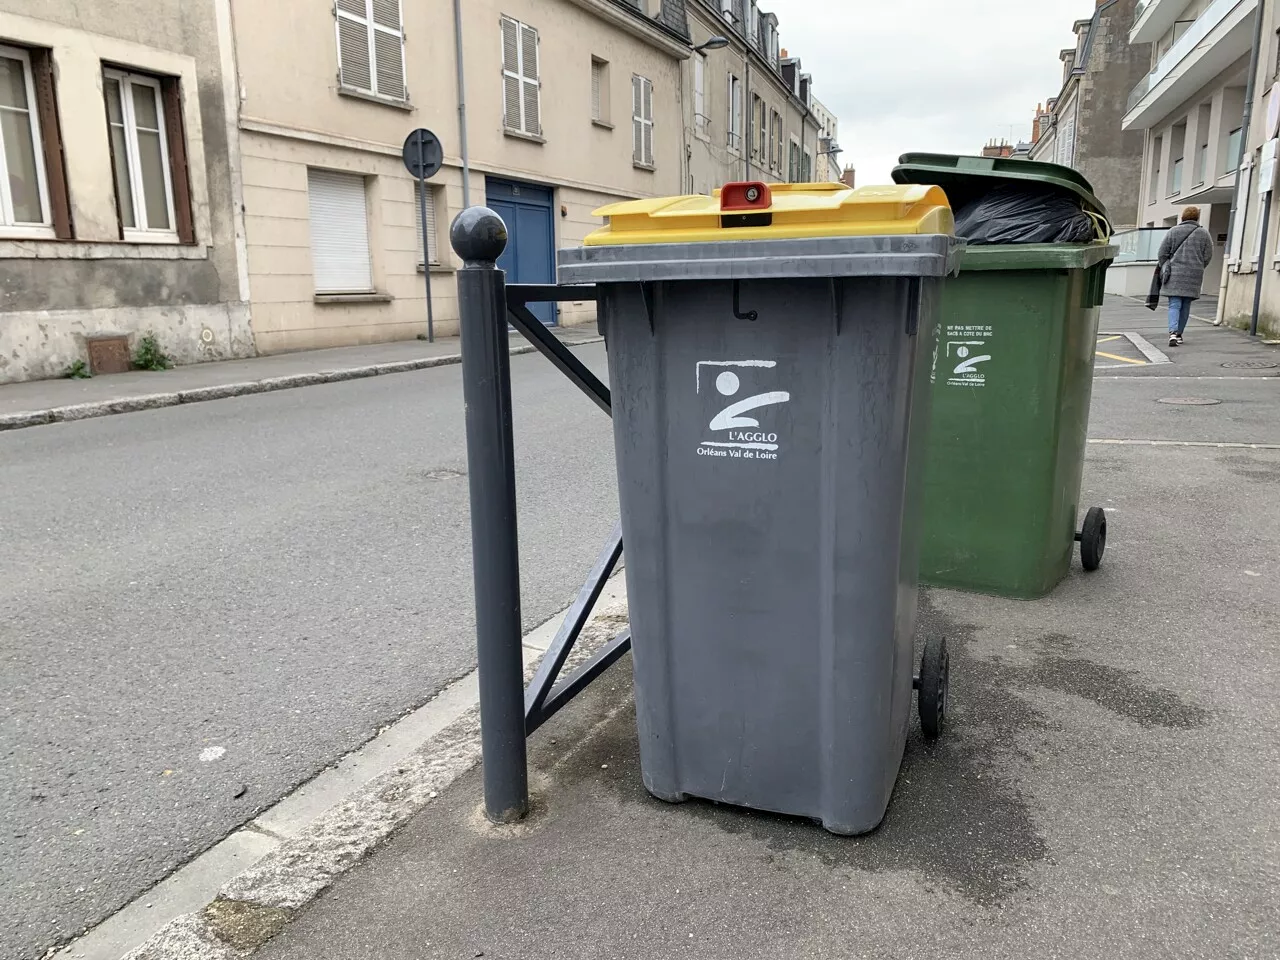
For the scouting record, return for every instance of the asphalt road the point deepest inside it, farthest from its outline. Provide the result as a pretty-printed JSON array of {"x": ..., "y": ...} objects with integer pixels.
[{"x": 205, "y": 605}]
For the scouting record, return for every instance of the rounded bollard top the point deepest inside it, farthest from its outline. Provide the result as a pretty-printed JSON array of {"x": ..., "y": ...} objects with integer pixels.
[{"x": 478, "y": 235}]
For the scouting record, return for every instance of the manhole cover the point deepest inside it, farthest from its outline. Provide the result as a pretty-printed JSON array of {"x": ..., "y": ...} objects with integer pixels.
[
  {"x": 443, "y": 474},
  {"x": 1250, "y": 364},
  {"x": 1189, "y": 401}
]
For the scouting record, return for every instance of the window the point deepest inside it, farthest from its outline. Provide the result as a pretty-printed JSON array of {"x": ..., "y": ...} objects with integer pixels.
[
  {"x": 806, "y": 167},
  {"x": 734, "y": 138},
  {"x": 371, "y": 47},
  {"x": 148, "y": 156},
  {"x": 339, "y": 232},
  {"x": 1175, "y": 179},
  {"x": 1202, "y": 164},
  {"x": 700, "y": 117},
  {"x": 726, "y": 8},
  {"x": 642, "y": 121},
  {"x": 1235, "y": 149},
  {"x": 753, "y": 21},
  {"x": 522, "y": 92},
  {"x": 793, "y": 163},
  {"x": 25, "y": 207},
  {"x": 600, "y": 91},
  {"x": 433, "y": 254},
  {"x": 775, "y": 131}
]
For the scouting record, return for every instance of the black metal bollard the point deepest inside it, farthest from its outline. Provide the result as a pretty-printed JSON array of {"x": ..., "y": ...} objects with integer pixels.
[{"x": 479, "y": 236}]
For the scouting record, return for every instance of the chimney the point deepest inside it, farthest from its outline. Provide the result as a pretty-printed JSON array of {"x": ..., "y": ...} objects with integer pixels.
[{"x": 849, "y": 177}]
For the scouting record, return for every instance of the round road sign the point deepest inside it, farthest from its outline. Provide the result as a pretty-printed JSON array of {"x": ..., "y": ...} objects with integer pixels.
[{"x": 423, "y": 154}]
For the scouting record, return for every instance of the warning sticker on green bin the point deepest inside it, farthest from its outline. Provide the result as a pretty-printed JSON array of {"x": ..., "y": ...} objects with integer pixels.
[{"x": 965, "y": 350}]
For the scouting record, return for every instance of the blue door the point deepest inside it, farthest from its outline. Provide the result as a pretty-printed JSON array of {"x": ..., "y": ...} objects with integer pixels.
[{"x": 530, "y": 253}]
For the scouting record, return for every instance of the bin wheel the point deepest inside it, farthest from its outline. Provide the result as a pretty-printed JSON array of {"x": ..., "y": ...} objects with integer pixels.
[
  {"x": 1093, "y": 538},
  {"x": 935, "y": 677}
]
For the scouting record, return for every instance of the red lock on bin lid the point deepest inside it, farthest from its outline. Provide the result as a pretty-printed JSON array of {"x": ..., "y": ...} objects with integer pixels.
[{"x": 745, "y": 196}]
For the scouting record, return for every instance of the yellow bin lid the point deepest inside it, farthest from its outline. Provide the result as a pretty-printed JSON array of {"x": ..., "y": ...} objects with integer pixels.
[{"x": 777, "y": 211}]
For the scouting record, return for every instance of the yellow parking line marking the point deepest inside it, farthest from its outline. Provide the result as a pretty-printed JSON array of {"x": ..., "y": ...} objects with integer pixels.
[
  {"x": 1109, "y": 339},
  {"x": 1112, "y": 356}
]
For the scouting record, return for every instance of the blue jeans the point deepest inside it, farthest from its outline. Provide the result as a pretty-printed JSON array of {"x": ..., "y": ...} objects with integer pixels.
[{"x": 1179, "y": 314}]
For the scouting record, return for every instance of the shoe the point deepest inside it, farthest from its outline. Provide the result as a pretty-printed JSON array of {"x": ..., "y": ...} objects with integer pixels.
[
  {"x": 1173, "y": 340},
  {"x": 1179, "y": 338}
]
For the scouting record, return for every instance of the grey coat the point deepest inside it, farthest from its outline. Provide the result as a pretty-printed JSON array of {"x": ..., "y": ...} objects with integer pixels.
[{"x": 1185, "y": 275}]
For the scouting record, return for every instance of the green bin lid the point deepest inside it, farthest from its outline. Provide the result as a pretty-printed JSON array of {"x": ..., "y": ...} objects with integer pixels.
[
  {"x": 1036, "y": 256},
  {"x": 966, "y": 178}
]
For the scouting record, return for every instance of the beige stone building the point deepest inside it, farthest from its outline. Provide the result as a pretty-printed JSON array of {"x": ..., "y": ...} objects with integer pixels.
[
  {"x": 570, "y": 104},
  {"x": 750, "y": 116},
  {"x": 234, "y": 184},
  {"x": 118, "y": 194}
]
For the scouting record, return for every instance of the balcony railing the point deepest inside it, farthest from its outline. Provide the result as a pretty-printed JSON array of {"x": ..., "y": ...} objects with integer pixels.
[
  {"x": 1138, "y": 246},
  {"x": 1216, "y": 12}
]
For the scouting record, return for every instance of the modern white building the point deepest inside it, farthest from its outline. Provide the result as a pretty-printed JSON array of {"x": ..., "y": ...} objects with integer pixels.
[{"x": 1191, "y": 107}]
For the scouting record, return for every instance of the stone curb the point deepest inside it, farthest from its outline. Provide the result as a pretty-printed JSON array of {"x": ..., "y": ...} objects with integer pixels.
[{"x": 153, "y": 401}]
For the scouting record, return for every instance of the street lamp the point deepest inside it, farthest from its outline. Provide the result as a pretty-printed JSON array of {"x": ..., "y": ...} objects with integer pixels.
[{"x": 715, "y": 43}]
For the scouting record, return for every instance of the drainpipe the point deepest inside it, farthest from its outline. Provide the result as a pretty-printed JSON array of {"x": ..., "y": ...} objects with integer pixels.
[
  {"x": 747, "y": 105},
  {"x": 1235, "y": 195},
  {"x": 462, "y": 103}
]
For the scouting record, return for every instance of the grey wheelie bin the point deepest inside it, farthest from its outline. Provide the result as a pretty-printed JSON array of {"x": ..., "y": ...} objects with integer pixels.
[{"x": 769, "y": 357}]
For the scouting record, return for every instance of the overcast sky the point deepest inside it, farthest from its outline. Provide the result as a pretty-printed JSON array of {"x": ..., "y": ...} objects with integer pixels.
[{"x": 939, "y": 75}]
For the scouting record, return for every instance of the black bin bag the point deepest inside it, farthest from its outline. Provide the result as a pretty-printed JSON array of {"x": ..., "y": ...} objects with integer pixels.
[{"x": 1016, "y": 213}]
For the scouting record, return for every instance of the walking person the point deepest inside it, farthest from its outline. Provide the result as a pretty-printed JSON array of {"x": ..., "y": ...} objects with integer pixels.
[{"x": 1183, "y": 257}]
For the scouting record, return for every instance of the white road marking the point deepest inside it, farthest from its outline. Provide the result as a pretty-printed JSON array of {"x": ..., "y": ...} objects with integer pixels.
[{"x": 1188, "y": 443}]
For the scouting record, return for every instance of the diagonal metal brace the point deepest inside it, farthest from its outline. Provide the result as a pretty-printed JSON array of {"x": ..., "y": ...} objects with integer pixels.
[
  {"x": 581, "y": 678},
  {"x": 545, "y": 341},
  {"x": 540, "y": 688}
]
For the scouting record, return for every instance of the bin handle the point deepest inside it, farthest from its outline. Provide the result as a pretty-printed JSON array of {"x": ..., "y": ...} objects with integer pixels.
[{"x": 737, "y": 311}]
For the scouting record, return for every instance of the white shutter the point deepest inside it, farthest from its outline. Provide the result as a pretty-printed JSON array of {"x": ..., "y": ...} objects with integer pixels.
[
  {"x": 531, "y": 85},
  {"x": 386, "y": 13},
  {"x": 371, "y": 46},
  {"x": 355, "y": 64},
  {"x": 511, "y": 74},
  {"x": 637, "y": 122},
  {"x": 597, "y": 69},
  {"x": 737, "y": 112},
  {"x": 646, "y": 90},
  {"x": 1237, "y": 230},
  {"x": 700, "y": 94},
  {"x": 339, "y": 232},
  {"x": 432, "y": 255},
  {"x": 388, "y": 49},
  {"x": 1259, "y": 205}
]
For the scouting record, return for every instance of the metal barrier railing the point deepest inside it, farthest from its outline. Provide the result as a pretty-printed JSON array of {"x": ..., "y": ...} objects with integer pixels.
[{"x": 508, "y": 711}]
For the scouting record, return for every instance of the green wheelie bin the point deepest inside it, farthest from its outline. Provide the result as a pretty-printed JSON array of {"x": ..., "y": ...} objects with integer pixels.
[{"x": 1012, "y": 383}]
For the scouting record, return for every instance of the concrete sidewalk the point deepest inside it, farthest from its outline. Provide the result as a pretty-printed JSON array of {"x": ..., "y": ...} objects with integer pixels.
[
  {"x": 38, "y": 402},
  {"x": 1105, "y": 788},
  {"x": 1208, "y": 351}
]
